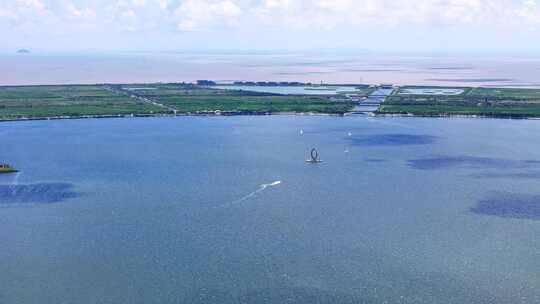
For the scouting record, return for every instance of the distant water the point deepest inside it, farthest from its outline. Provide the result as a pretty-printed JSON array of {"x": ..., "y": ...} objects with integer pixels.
[
  {"x": 304, "y": 90},
  {"x": 37, "y": 68},
  {"x": 226, "y": 210}
]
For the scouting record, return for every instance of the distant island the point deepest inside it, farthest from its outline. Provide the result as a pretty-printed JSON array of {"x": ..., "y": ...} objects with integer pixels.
[
  {"x": 23, "y": 51},
  {"x": 204, "y": 98},
  {"x": 5, "y": 168}
]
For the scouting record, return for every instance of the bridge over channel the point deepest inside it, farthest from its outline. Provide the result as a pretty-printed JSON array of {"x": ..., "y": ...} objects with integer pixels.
[{"x": 372, "y": 103}]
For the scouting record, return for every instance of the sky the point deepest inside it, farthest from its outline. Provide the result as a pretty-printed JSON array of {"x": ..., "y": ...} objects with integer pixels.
[{"x": 495, "y": 26}]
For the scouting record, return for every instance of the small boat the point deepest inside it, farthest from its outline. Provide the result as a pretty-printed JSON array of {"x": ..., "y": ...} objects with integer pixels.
[
  {"x": 5, "y": 168},
  {"x": 314, "y": 157}
]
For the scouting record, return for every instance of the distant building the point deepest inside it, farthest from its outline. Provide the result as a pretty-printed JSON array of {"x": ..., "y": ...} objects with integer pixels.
[{"x": 268, "y": 83}]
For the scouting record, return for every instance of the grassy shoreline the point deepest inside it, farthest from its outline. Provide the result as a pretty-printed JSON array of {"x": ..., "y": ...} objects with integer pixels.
[
  {"x": 210, "y": 114},
  {"x": 375, "y": 114},
  {"x": 434, "y": 111}
]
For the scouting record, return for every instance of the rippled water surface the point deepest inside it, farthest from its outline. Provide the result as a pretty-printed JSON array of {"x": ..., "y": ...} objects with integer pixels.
[
  {"x": 315, "y": 67},
  {"x": 226, "y": 210}
]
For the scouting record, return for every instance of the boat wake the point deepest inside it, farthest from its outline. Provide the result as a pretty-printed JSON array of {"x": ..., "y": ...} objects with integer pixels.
[
  {"x": 250, "y": 195},
  {"x": 40, "y": 193},
  {"x": 16, "y": 179}
]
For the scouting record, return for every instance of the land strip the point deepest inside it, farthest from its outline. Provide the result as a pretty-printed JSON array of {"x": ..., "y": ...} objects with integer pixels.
[
  {"x": 491, "y": 102},
  {"x": 120, "y": 89},
  {"x": 81, "y": 101},
  {"x": 105, "y": 100},
  {"x": 23, "y": 102}
]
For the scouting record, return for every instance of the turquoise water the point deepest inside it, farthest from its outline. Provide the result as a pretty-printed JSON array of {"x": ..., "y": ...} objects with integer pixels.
[{"x": 225, "y": 210}]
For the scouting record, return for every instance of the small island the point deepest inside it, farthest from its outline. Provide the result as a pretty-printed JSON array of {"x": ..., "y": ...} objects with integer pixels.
[
  {"x": 23, "y": 51},
  {"x": 5, "y": 168}
]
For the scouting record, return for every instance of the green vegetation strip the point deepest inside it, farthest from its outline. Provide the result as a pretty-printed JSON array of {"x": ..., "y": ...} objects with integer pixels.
[
  {"x": 187, "y": 98},
  {"x": 23, "y": 102},
  {"x": 7, "y": 170},
  {"x": 49, "y": 101},
  {"x": 498, "y": 102},
  {"x": 147, "y": 99}
]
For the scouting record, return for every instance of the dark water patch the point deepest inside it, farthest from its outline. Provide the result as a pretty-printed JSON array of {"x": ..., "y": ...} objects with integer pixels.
[
  {"x": 285, "y": 294},
  {"x": 41, "y": 193},
  {"x": 314, "y": 63},
  {"x": 392, "y": 140},
  {"x": 509, "y": 205},
  {"x": 516, "y": 175},
  {"x": 253, "y": 65},
  {"x": 303, "y": 73},
  {"x": 375, "y": 160},
  {"x": 445, "y": 162},
  {"x": 319, "y": 62},
  {"x": 371, "y": 70},
  {"x": 472, "y": 80},
  {"x": 457, "y": 68}
]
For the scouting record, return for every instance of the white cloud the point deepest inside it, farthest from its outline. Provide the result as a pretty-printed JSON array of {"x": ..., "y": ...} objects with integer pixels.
[
  {"x": 37, "y": 5},
  {"x": 296, "y": 14},
  {"x": 530, "y": 12},
  {"x": 204, "y": 14},
  {"x": 6, "y": 14},
  {"x": 168, "y": 17},
  {"x": 387, "y": 13},
  {"x": 79, "y": 13}
]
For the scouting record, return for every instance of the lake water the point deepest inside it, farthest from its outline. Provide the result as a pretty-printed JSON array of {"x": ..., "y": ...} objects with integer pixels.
[
  {"x": 431, "y": 91},
  {"x": 226, "y": 210},
  {"x": 291, "y": 89},
  {"x": 329, "y": 67}
]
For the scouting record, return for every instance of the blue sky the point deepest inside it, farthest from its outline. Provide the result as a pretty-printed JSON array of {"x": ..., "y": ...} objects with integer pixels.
[{"x": 503, "y": 26}]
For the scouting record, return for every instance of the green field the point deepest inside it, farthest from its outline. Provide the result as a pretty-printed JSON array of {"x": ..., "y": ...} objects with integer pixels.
[
  {"x": 498, "y": 102},
  {"x": 193, "y": 99},
  {"x": 82, "y": 100},
  {"x": 79, "y": 100},
  {"x": 147, "y": 99}
]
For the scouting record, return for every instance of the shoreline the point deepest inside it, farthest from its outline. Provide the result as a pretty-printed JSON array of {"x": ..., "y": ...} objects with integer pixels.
[
  {"x": 64, "y": 117},
  {"x": 448, "y": 115},
  {"x": 372, "y": 114},
  {"x": 95, "y": 101}
]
